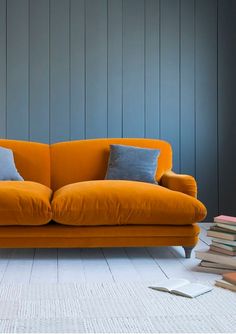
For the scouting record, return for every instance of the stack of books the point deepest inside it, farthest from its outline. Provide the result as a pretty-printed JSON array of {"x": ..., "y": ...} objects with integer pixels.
[{"x": 221, "y": 257}]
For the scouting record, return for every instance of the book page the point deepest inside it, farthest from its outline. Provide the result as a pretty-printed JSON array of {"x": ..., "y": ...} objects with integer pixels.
[
  {"x": 192, "y": 290},
  {"x": 170, "y": 284}
]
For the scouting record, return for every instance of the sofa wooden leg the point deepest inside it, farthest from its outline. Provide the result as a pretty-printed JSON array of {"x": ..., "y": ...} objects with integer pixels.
[{"x": 188, "y": 251}]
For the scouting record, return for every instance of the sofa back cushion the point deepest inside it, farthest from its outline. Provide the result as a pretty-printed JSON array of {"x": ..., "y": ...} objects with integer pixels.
[
  {"x": 32, "y": 160},
  {"x": 86, "y": 160}
]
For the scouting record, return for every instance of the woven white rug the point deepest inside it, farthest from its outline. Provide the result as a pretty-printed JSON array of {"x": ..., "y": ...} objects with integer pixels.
[{"x": 112, "y": 307}]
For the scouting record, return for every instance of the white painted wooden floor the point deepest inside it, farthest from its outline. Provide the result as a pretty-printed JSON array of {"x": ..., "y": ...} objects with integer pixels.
[{"x": 100, "y": 265}]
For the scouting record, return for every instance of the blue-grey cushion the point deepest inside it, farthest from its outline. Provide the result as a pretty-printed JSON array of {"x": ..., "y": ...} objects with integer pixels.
[
  {"x": 8, "y": 171},
  {"x": 132, "y": 163}
]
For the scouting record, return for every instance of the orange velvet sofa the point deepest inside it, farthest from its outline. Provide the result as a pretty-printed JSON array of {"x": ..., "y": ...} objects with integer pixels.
[{"x": 65, "y": 201}]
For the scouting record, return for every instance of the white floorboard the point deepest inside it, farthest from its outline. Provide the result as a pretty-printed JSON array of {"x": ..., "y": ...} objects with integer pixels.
[
  {"x": 70, "y": 266},
  {"x": 145, "y": 266},
  {"x": 120, "y": 265},
  {"x": 95, "y": 265},
  {"x": 170, "y": 264},
  {"x": 19, "y": 266},
  {"x": 191, "y": 264},
  {"x": 5, "y": 255},
  {"x": 101, "y": 265},
  {"x": 44, "y": 268}
]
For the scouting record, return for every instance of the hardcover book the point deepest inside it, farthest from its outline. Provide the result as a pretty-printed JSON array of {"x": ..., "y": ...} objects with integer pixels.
[
  {"x": 225, "y": 219},
  {"x": 225, "y": 285},
  {"x": 221, "y": 229},
  {"x": 230, "y": 277},
  {"x": 224, "y": 246},
  {"x": 211, "y": 270},
  {"x": 227, "y": 226},
  {"x": 221, "y": 235},
  {"x": 224, "y": 241},
  {"x": 216, "y": 249},
  {"x": 216, "y": 265},
  {"x": 218, "y": 258}
]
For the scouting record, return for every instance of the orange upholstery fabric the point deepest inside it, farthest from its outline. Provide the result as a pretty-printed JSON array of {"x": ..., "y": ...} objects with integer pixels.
[
  {"x": 24, "y": 203},
  {"x": 32, "y": 160},
  {"x": 113, "y": 202},
  {"x": 88, "y": 242},
  {"x": 86, "y": 160},
  {"x": 179, "y": 182},
  {"x": 59, "y": 231},
  {"x": 56, "y": 235}
]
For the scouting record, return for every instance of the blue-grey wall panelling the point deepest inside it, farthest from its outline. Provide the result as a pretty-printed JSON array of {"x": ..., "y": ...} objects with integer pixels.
[
  {"x": 17, "y": 69},
  {"x": 77, "y": 68},
  {"x": 2, "y": 68},
  {"x": 206, "y": 103},
  {"x": 114, "y": 68},
  {"x": 96, "y": 68},
  {"x": 152, "y": 70},
  {"x": 133, "y": 68},
  {"x": 187, "y": 87},
  {"x": 39, "y": 70},
  {"x": 59, "y": 70},
  {"x": 74, "y": 69},
  {"x": 227, "y": 106},
  {"x": 170, "y": 99}
]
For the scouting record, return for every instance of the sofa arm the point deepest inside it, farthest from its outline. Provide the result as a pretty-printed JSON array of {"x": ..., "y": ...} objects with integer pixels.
[{"x": 179, "y": 182}]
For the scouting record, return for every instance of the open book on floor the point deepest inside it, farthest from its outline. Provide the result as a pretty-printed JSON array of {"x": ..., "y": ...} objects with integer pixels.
[{"x": 182, "y": 287}]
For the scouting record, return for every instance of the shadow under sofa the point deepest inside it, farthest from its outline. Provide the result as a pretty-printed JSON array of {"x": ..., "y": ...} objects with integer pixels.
[{"x": 65, "y": 201}]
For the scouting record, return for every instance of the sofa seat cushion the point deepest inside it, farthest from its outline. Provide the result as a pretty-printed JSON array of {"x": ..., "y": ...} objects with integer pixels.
[
  {"x": 24, "y": 203},
  {"x": 116, "y": 202}
]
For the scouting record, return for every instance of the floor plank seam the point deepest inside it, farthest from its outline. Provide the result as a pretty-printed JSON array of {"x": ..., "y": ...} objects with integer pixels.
[
  {"x": 113, "y": 278},
  {"x": 32, "y": 265},
  {"x": 155, "y": 260}
]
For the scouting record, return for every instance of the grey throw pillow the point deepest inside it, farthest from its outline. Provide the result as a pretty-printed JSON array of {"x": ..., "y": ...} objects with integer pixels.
[
  {"x": 8, "y": 171},
  {"x": 132, "y": 163}
]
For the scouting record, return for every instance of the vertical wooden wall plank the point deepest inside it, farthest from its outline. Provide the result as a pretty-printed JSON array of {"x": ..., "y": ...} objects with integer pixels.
[
  {"x": 170, "y": 107},
  {"x": 59, "y": 71},
  {"x": 96, "y": 68},
  {"x": 17, "y": 69},
  {"x": 39, "y": 70},
  {"x": 133, "y": 69},
  {"x": 114, "y": 68},
  {"x": 97, "y": 71},
  {"x": 152, "y": 69},
  {"x": 187, "y": 84},
  {"x": 2, "y": 68},
  {"x": 206, "y": 104},
  {"x": 227, "y": 106},
  {"x": 77, "y": 69}
]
